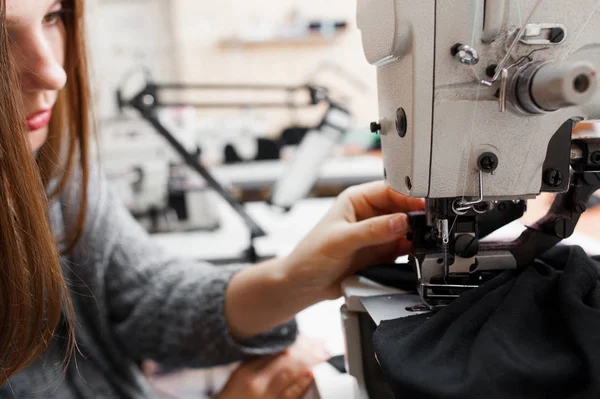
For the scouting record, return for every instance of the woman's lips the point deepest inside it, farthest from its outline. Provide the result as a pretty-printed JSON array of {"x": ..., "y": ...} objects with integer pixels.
[{"x": 38, "y": 120}]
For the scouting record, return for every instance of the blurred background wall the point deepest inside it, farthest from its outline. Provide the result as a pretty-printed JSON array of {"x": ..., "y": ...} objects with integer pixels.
[{"x": 218, "y": 42}]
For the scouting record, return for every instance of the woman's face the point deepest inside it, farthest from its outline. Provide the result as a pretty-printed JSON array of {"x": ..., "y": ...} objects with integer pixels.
[{"x": 37, "y": 36}]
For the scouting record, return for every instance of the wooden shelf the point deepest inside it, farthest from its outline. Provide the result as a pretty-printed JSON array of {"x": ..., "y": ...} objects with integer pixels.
[{"x": 311, "y": 40}]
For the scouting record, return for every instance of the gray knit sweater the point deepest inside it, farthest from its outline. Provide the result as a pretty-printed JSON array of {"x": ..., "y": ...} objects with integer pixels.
[{"x": 132, "y": 302}]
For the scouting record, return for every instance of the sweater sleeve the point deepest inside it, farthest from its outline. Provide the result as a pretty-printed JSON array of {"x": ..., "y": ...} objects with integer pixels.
[{"x": 157, "y": 305}]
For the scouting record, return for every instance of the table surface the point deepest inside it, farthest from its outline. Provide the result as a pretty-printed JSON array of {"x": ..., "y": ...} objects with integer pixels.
[{"x": 336, "y": 171}]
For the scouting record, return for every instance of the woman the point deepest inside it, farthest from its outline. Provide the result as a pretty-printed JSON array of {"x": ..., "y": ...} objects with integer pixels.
[
  {"x": 31, "y": 285},
  {"x": 134, "y": 302}
]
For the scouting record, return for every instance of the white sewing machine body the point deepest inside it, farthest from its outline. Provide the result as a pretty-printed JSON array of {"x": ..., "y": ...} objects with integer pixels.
[
  {"x": 450, "y": 117},
  {"x": 477, "y": 101}
]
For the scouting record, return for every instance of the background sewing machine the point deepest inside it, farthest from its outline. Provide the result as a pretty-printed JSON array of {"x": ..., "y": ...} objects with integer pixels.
[
  {"x": 160, "y": 189},
  {"x": 478, "y": 100}
]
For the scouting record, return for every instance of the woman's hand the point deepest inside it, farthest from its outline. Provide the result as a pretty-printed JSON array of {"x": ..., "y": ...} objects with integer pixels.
[
  {"x": 366, "y": 226},
  {"x": 284, "y": 376}
]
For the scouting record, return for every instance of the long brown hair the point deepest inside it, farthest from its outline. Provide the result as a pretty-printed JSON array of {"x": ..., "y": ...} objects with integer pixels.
[
  {"x": 33, "y": 293},
  {"x": 60, "y": 156}
]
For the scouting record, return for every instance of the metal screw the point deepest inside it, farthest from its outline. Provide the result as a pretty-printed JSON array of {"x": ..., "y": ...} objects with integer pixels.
[
  {"x": 553, "y": 177},
  {"x": 488, "y": 162},
  {"x": 482, "y": 207},
  {"x": 375, "y": 127},
  {"x": 560, "y": 228},
  {"x": 564, "y": 228},
  {"x": 557, "y": 35},
  {"x": 595, "y": 158},
  {"x": 466, "y": 246}
]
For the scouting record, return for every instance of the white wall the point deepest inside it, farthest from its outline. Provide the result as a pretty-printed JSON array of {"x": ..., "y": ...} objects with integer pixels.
[
  {"x": 181, "y": 40},
  {"x": 124, "y": 35},
  {"x": 200, "y": 25}
]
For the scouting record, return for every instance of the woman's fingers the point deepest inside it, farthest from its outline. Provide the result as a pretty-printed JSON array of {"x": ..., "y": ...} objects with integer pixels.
[
  {"x": 299, "y": 387},
  {"x": 288, "y": 369},
  {"x": 373, "y": 199},
  {"x": 259, "y": 363},
  {"x": 379, "y": 230},
  {"x": 285, "y": 375},
  {"x": 280, "y": 382}
]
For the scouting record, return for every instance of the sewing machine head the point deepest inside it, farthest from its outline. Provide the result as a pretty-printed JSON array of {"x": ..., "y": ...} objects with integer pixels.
[{"x": 477, "y": 103}]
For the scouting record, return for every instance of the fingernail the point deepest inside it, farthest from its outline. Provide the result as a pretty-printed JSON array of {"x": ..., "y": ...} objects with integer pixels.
[{"x": 398, "y": 224}]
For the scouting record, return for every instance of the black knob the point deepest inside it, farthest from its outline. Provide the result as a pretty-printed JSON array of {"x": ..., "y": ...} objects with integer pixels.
[
  {"x": 557, "y": 35},
  {"x": 466, "y": 246},
  {"x": 375, "y": 127}
]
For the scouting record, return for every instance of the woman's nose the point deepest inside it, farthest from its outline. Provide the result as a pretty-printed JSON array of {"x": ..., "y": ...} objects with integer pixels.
[{"x": 41, "y": 68}]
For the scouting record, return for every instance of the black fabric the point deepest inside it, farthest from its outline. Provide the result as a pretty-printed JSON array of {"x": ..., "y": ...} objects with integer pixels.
[
  {"x": 293, "y": 135},
  {"x": 267, "y": 150},
  {"x": 529, "y": 334},
  {"x": 401, "y": 276}
]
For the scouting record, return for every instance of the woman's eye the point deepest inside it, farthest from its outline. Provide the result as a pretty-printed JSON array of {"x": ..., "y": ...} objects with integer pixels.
[{"x": 53, "y": 18}]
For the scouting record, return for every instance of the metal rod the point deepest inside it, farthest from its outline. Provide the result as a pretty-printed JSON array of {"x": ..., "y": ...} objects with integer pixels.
[
  {"x": 503, "y": 89},
  {"x": 232, "y": 105},
  {"x": 190, "y": 160},
  {"x": 226, "y": 86},
  {"x": 462, "y": 205}
]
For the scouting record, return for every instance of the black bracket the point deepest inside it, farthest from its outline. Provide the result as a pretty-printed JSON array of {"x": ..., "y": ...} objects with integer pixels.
[
  {"x": 563, "y": 216},
  {"x": 556, "y": 166},
  {"x": 560, "y": 221},
  {"x": 316, "y": 95}
]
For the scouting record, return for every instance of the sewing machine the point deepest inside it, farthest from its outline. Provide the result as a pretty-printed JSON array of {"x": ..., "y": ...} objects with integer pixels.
[{"x": 478, "y": 100}]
